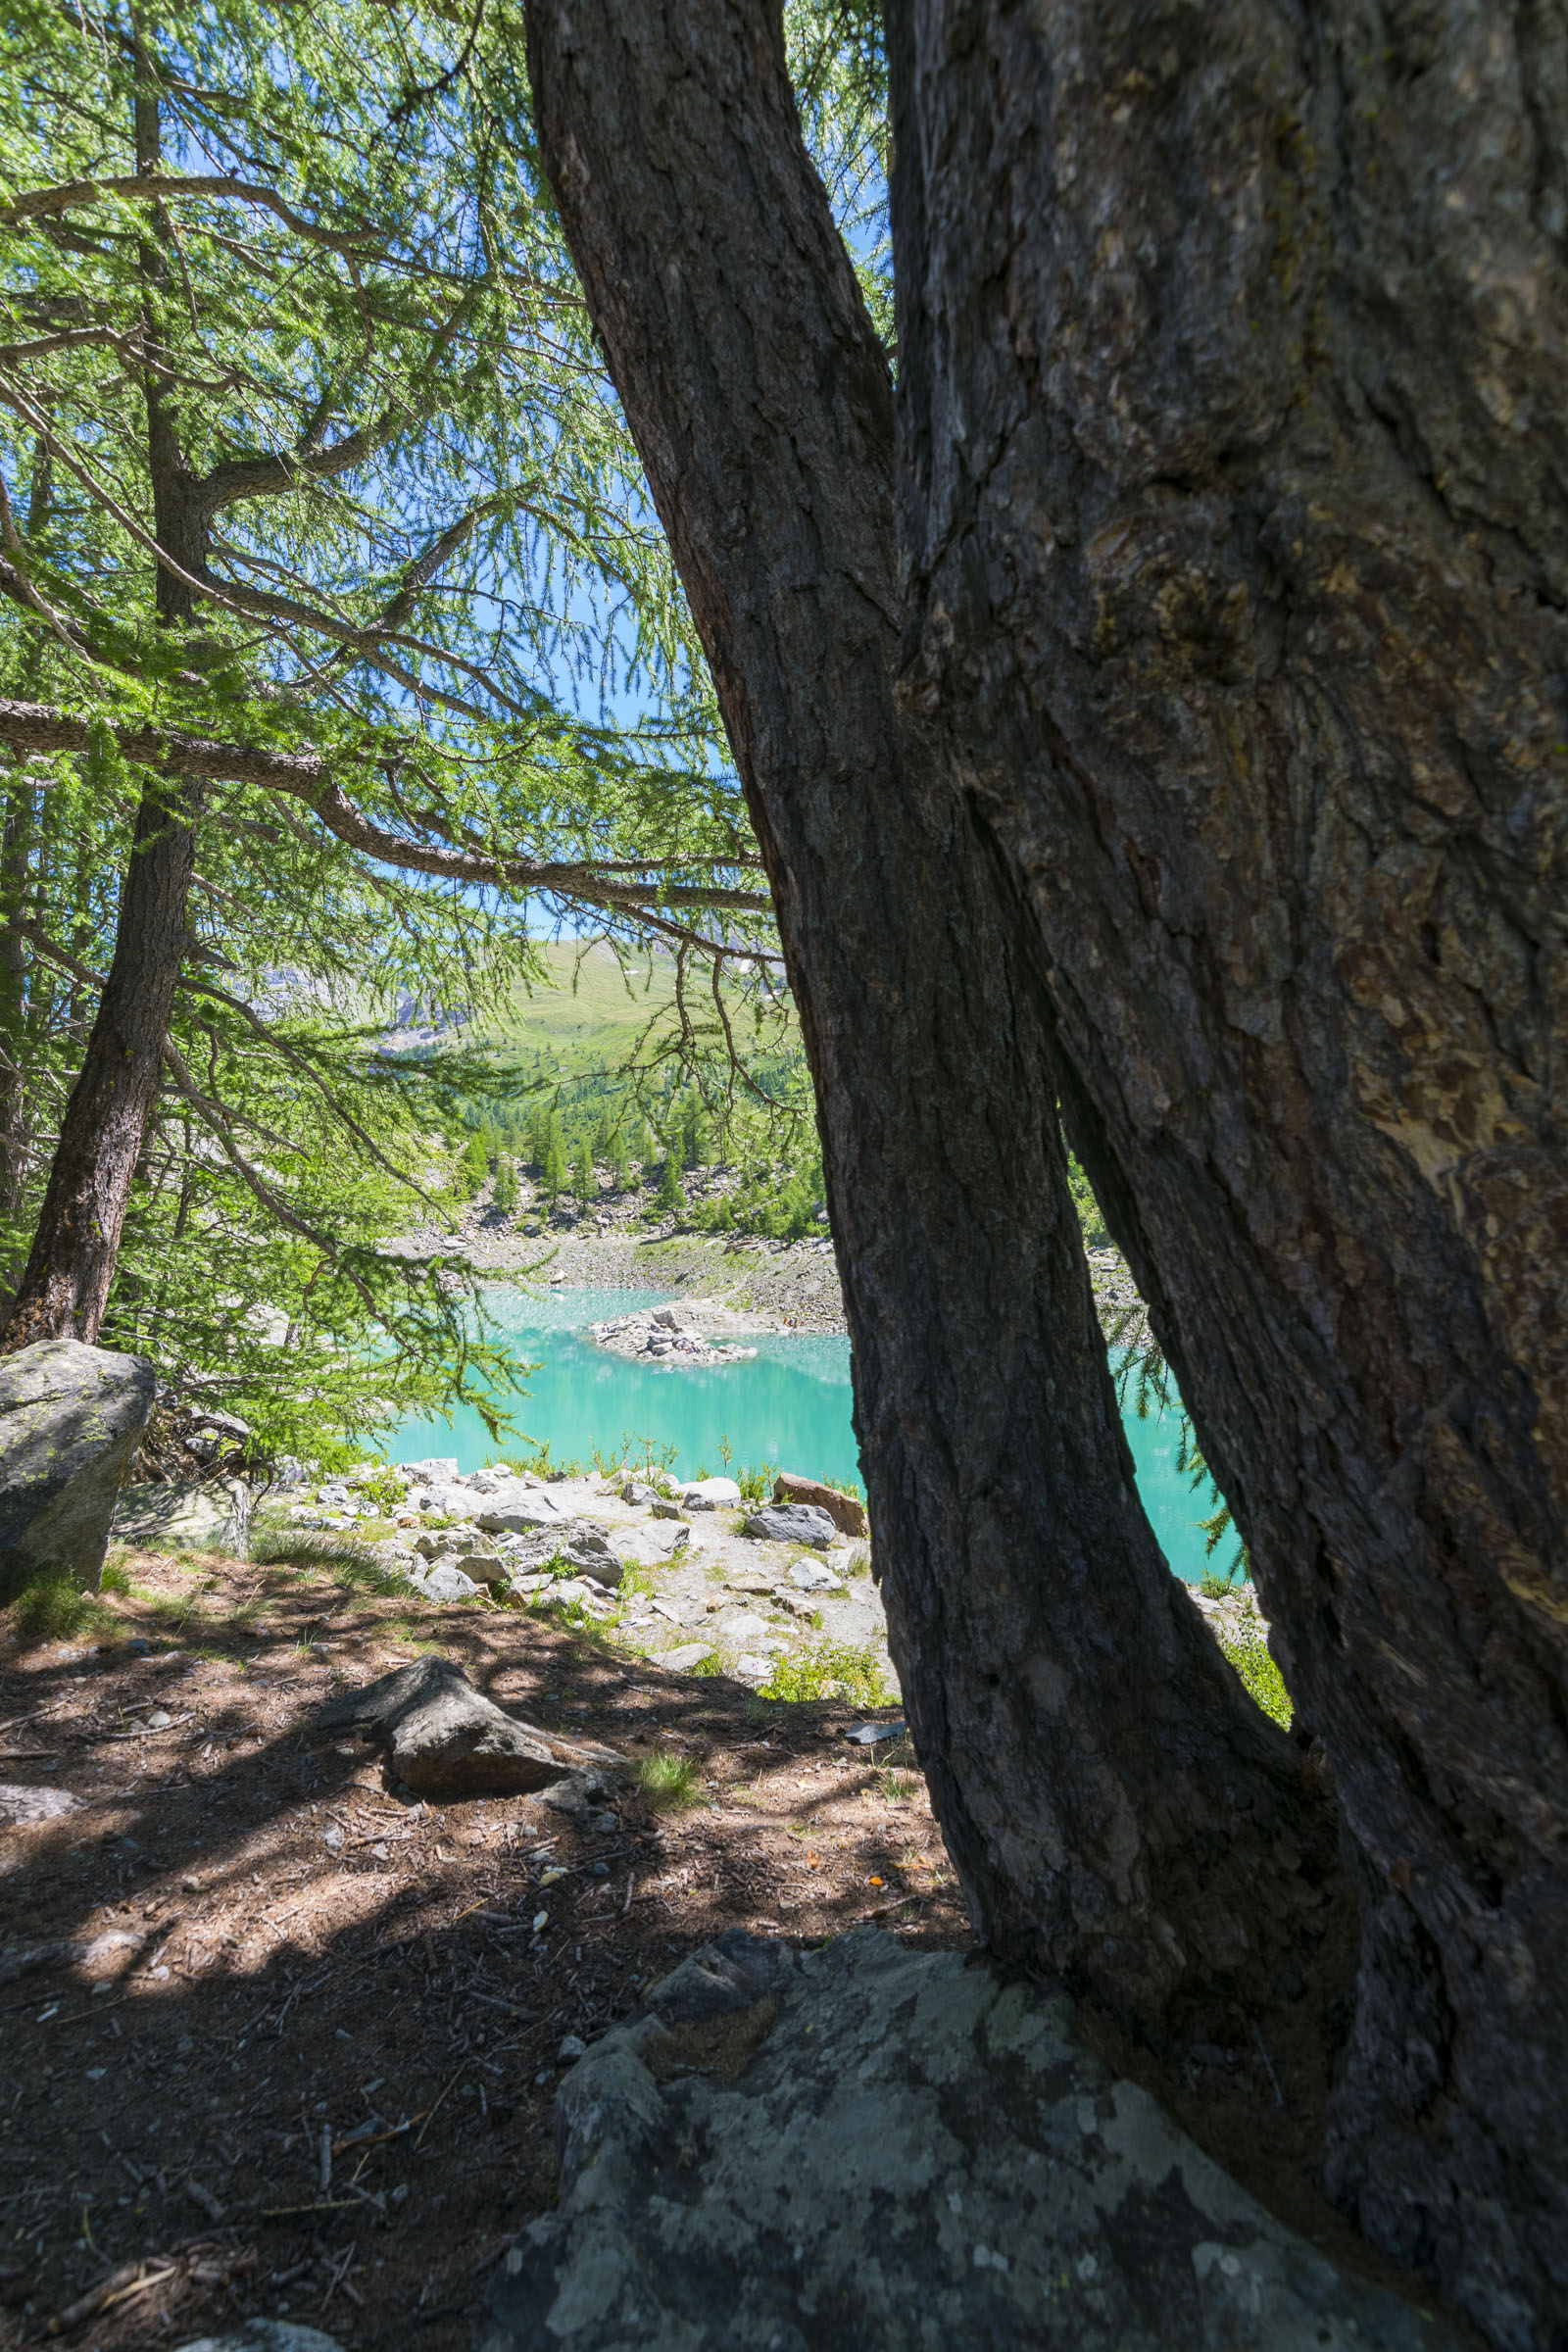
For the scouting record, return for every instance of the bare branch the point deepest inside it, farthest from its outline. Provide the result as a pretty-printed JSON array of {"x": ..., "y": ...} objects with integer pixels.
[
  {"x": 217, "y": 1120},
  {"x": 38, "y": 204}
]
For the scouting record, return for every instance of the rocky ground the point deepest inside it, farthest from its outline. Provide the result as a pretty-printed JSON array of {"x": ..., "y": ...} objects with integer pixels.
[{"x": 664, "y": 1572}]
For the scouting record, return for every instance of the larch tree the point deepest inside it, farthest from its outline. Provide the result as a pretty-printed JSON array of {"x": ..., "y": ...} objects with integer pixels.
[
  {"x": 325, "y": 581},
  {"x": 1157, "y": 705}
]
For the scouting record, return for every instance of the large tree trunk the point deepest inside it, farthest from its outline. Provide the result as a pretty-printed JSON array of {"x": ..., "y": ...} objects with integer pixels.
[
  {"x": 1232, "y": 348},
  {"x": 1115, "y": 1805}
]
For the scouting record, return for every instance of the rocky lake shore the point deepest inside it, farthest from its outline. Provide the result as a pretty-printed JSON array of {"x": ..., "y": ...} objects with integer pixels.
[{"x": 746, "y": 1285}]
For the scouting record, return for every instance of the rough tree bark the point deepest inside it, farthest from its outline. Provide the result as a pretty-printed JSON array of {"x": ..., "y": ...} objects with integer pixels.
[
  {"x": 65, "y": 1285},
  {"x": 1115, "y": 1805},
  {"x": 1234, "y": 496}
]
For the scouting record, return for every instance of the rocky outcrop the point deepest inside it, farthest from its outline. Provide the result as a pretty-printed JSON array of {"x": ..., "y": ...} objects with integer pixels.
[
  {"x": 864, "y": 2149},
  {"x": 70, "y": 1419},
  {"x": 442, "y": 1738}
]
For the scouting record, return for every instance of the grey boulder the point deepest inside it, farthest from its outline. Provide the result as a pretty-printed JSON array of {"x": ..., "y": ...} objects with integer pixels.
[
  {"x": 445, "y": 1583},
  {"x": 519, "y": 1515},
  {"x": 864, "y": 2149},
  {"x": 213, "y": 1515},
  {"x": 814, "y": 1575},
  {"x": 582, "y": 1544},
  {"x": 793, "y": 1523},
  {"x": 70, "y": 1419},
  {"x": 443, "y": 1737},
  {"x": 847, "y": 1515}
]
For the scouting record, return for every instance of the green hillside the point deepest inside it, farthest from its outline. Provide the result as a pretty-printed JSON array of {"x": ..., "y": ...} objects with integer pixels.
[{"x": 588, "y": 1014}]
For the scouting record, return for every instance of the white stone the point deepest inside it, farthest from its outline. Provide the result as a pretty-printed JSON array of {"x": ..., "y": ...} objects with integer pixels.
[{"x": 716, "y": 1491}]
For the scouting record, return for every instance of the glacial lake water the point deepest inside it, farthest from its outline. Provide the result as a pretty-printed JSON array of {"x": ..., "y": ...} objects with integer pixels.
[{"x": 790, "y": 1408}]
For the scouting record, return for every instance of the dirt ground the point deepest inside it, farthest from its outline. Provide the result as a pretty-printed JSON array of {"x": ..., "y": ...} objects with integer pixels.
[
  {"x": 318, "y": 2083},
  {"x": 273, "y": 2041}
]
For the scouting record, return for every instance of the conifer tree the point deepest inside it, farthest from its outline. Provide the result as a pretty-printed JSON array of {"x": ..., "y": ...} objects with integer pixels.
[
  {"x": 553, "y": 1161},
  {"x": 670, "y": 1201},
  {"x": 313, "y": 502}
]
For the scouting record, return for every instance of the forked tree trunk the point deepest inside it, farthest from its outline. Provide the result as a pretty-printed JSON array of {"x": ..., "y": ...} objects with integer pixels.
[
  {"x": 1114, "y": 1803},
  {"x": 1235, "y": 509}
]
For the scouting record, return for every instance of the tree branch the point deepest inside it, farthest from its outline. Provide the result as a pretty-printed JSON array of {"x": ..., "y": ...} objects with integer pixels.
[
  {"x": 306, "y": 776},
  {"x": 216, "y": 1119},
  {"x": 38, "y": 204}
]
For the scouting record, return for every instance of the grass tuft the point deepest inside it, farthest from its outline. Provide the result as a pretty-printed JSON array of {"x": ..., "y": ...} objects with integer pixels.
[
  {"x": 53, "y": 1608},
  {"x": 669, "y": 1779}
]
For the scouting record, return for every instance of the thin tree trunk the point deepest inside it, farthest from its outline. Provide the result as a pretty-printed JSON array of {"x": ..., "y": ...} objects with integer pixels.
[
  {"x": 1114, "y": 1803},
  {"x": 16, "y": 843},
  {"x": 66, "y": 1283},
  {"x": 1232, "y": 354},
  {"x": 16, "y": 852},
  {"x": 64, "y": 1287}
]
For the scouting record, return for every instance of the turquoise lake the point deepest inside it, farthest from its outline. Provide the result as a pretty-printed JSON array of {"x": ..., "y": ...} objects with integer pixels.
[{"x": 789, "y": 1407}]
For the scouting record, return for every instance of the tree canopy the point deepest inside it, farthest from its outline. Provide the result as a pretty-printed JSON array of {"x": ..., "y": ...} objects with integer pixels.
[{"x": 296, "y": 280}]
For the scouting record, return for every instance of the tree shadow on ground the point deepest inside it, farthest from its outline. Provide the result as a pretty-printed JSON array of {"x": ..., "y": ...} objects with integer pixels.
[{"x": 239, "y": 1939}]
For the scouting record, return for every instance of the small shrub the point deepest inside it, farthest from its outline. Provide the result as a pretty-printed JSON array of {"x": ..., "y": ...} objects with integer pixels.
[
  {"x": 382, "y": 1487},
  {"x": 1261, "y": 1677},
  {"x": 755, "y": 1480},
  {"x": 834, "y": 1669},
  {"x": 539, "y": 1460},
  {"x": 711, "y": 1664},
  {"x": 669, "y": 1779}
]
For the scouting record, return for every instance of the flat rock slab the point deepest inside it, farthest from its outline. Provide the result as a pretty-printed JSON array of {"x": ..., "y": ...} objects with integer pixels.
[
  {"x": 864, "y": 2149},
  {"x": 70, "y": 1419},
  {"x": 443, "y": 1737},
  {"x": 209, "y": 1515},
  {"x": 792, "y": 1523}
]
